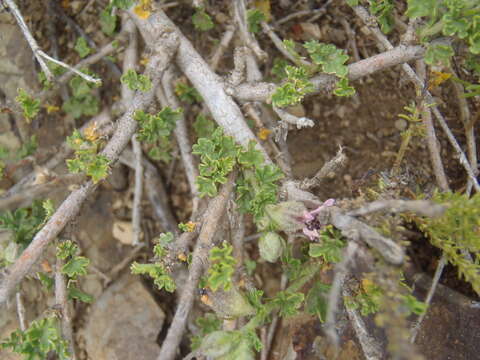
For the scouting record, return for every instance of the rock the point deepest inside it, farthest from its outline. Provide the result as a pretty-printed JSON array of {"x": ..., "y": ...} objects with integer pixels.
[
  {"x": 123, "y": 232},
  {"x": 123, "y": 323}
]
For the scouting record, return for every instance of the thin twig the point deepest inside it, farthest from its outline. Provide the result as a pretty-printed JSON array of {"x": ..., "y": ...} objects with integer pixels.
[
  {"x": 129, "y": 62},
  {"x": 341, "y": 270},
  {"x": 222, "y": 46},
  {"x": 63, "y": 152},
  {"x": 28, "y": 36},
  {"x": 216, "y": 208},
  {"x": 240, "y": 18},
  {"x": 182, "y": 136},
  {"x": 363, "y": 14},
  {"x": 36, "y": 191},
  {"x": 420, "y": 207},
  {"x": 21, "y": 311},
  {"x": 428, "y": 299},
  {"x": 399, "y": 55},
  {"x": 316, "y": 12},
  {"x": 211, "y": 87},
  {"x": 279, "y": 44},
  {"x": 331, "y": 167},
  {"x": 371, "y": 348},
  {"x": 69, "y": 21},
  {"x": 61, "y": 299},
  {"x": 165, "y": 46},
  {"x": 432, "y": 142},
  {"x": 155, "y": 190}
]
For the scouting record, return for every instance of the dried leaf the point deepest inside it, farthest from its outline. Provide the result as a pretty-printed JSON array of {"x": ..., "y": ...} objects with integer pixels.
[
  {"x": 263, "y": 133},
  {"x": 264, "y": 7}
]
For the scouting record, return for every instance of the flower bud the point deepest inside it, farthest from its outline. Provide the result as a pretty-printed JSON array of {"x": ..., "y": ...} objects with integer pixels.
[
  {"x": 229, "y": 304},
  {"x": 216, "y": 344},
  {"x": 271, "y": 246},
  {"x": 287, "y": 215}
]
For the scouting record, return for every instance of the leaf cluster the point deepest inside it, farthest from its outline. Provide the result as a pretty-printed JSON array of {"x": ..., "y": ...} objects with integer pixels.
[
  {"x": 187, "y": 93},
  {"x": 136, "y": 81},
  {"x": 254, "y": 18},
  {"x": 330, "y": 246},
  {"x": 82, "y": 48},
  {"x": 458, "y": 18},
  {"x": 108, "y": 20},
  {"x": 87, "y": 159},
  {"x": 74, "y": 267},
  {"x": 326, "y": 58},
  {"x": 29, "y": 105},
  {"x": 24, "y": 223},
  {"x": 156, "y": 130},
  {"x": 42, "y": 337},
  {"x": 82, "y": 102},
  {"x": 158, "y": 271},
  {"x": 202, "y": 21},
  {"x": 222, "y": 267},
  {"x": 457, "y": 231}
]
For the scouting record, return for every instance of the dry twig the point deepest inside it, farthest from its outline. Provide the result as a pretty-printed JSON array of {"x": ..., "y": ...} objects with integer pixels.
[
  {"x": 165, "y": 46},
  {"x": 213, "y": 214}
]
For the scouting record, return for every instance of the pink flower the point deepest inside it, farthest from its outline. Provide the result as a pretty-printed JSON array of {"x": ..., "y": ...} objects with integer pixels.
[{"x": 312, "y": 225}]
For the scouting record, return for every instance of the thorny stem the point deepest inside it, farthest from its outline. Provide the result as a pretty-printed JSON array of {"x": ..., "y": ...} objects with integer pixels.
[{"x": 213, "y": 214}]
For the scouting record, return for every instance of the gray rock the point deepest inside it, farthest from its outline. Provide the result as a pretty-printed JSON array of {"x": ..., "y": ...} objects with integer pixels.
[{"x": 124, "y": 323}]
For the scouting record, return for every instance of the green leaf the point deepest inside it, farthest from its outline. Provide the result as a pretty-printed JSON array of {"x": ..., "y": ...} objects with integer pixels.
[
  {"x": 316, "y": 302},
  {"x": 352, "y": 3},
  {"x": 28, "y": 148},
  {"x": 206, "y": 186},
  {"x": 76, "y": 293},
  {"x": 161, "y": 278},
  {"x": 222, "y": 267},
  {"x": 288, "y": 302},
  {"x": 438, "y": 54},
  {"x": 135, "y": 81},
  {"x": 278, "y": 69},
  {"x": 383, "y": 10},
  {"x": 108, "y": 22},
  {"x": 254, "y": 18},
  {"x": 122, "y": 4},
  {"x": 187, "y": 93},
  {"x": 251, "y": 158},
  {"x": 23, "y": 223},
  {"x": 203, "y": 126},
  {"x": 202, "y": 21},
  {"x": 77, "y": 266},
  {"x": 82, "y": 48},
  {"x": 421, "y": 8},
  {"x": 42, "y": 337},
  {"x": 295, "y": 89},
  {"x": 29, "y": 105},
  {"x": 66, "y": 249},
  {"x": 343, "y": 88},
  {"x": 414, "y": 306},
  {"x": 206, "y": 325},
  {"x": 98, "y": 168},
  {"x": 330, "y": 250},
  {"x": 331, "y": 59},
  {"x": 46, "y": 280}
]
